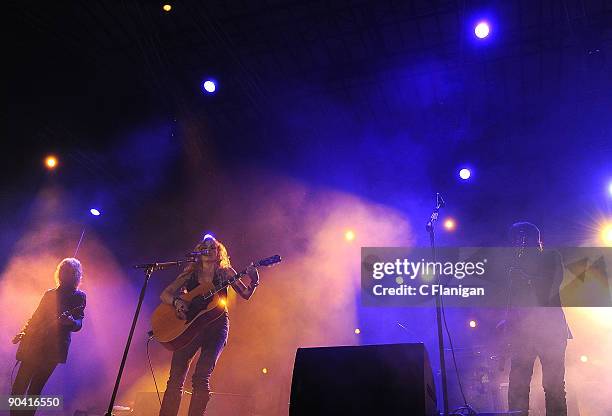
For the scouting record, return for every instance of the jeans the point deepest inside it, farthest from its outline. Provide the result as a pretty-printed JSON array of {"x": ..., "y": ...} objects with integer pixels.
[
  {"x": 30, "y": 380},
  {"x": 552, "y": 358},
  {"x": 210, "y": 342}
]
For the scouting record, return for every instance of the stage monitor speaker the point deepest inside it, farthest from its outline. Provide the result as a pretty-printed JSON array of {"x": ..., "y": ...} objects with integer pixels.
[{"x": 393, "y": 379}]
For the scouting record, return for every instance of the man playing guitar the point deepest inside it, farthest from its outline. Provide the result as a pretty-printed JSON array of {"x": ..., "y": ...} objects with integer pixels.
[
  {"x": 211, "y": 268},
  {"x": 45, "y": 339}
]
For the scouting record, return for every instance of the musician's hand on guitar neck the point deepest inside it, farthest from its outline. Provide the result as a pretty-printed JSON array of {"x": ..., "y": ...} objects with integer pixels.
[
  {"x": 181, "y": 306},
  {"x": 18, "y": 338},
  {"x": 253, "y": 275},
  {"x": 66, "y": 319}
]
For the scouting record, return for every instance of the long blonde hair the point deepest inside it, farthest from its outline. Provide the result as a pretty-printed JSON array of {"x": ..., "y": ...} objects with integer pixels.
[
  {"x": 222, "y": 261},
  {"x": 68, "y": 273}
]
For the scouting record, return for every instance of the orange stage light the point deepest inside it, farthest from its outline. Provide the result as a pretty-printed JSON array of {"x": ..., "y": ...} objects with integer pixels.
[
  {"x": 606, "y": 234},
  {"x": 51, "y": 162},
  {"x": 349, "y": 235},
  {"x": 450, "y": 224}
]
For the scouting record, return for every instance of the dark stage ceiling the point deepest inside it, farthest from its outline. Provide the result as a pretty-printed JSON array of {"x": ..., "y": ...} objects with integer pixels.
[{"x": 377, "y": 89}]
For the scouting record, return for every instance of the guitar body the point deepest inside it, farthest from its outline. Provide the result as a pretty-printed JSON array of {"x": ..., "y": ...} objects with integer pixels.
[
  {"x": 174, "y": 333},
  {"x": 205, "y": 306}
]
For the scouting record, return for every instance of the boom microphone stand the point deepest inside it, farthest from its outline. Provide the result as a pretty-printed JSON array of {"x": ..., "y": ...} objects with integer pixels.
[
  {"x": 148, "y": 268},
  {"x": 430, "y": 228}
]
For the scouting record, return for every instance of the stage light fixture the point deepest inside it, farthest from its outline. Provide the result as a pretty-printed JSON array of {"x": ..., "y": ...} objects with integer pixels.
[
  {"x": 357, "y": 331},
  {"x": 473, "y": 324},
  {"x": 606, "y": 234},
  {"x": 465, "y": 174},
  {"x": 167, "y": 7},
  {"x": 482, "y": 30},
  {"x": 349, "y": 235},
  {"x": 450, "y": 224},
  {"x": 584, "y": 358},
  {"x": 264, "y": 370},
  {"x": 209, "y": 86},
  {"x": 95, "y": 212},
  {"x": 51, "y": 162}
]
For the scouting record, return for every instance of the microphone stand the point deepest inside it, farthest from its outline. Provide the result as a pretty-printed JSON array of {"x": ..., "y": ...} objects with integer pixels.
[
  {"x": 148, "y": 268},
  {"x": 430, "y": 228}
]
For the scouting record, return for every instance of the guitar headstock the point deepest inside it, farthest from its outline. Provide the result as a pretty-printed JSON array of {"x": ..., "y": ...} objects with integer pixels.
[{"x": 268, "y": 261}]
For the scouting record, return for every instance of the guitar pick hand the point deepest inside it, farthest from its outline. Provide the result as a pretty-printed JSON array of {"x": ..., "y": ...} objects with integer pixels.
[{"x": 181, "y": 307}]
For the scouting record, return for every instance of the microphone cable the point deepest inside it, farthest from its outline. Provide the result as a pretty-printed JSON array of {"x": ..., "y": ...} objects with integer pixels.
[{"x": 151, "y": 368}]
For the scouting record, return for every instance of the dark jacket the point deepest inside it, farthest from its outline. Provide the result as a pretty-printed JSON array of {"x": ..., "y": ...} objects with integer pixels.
[
  {"x": 537, "y": 312},
  {"x": 46, "y": 339}
]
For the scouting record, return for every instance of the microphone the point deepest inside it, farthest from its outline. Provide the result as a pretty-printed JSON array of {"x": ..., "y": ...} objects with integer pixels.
[
  {"x": 439, "y": 201},
  {"x": 434, "y": 215}
]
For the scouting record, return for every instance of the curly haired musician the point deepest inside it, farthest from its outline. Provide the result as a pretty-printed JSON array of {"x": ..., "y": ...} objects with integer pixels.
[
  {"x": 45, "y": 339},
  {"x": 212, "y": 266}
]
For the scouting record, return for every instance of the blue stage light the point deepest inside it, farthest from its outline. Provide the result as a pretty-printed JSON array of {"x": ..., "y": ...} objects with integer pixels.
[
  {"x": 482, "y": 30},
  {"x": 465, "y": 174},
  {"x": 209, "y": 86},
  {"x": 95, "y": 212}
]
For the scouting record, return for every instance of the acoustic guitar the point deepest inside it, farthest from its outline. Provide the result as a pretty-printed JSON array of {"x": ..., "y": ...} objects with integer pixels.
[{"x": 205, "y": 305}]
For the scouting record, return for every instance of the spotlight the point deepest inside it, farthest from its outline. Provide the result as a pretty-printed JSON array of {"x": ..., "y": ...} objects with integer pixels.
[
  {"x": 610, "y": 188},
  {"x": 357, "y": 331},
  {"x": 473, "y": 324},
  {"x": 95, "y": 212},
  {"x": 209, "y": 86},
  {"x": 167, "y": 7},
  {"x": 450, "y": 224},
  {"x": 349, "y": 235},
  {"x": 222, "y": 302},
  {"x": 51, "y": 162},
  {"x": 465, "y": 174},
  {"x": 584, "y": 358},
  {"x": 264, "y": 370},
  {"x": 606, "y": 234},
  {"x": 482, "y": 30}
]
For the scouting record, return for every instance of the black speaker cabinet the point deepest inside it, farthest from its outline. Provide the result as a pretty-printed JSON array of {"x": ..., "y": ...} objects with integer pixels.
[{"x": 394, "y": 379}]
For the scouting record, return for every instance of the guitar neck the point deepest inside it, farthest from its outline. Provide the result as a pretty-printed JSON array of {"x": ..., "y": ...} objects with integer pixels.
[
  {"x": 269, "y": 261},
  {"x": 225, "y": 284}
]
